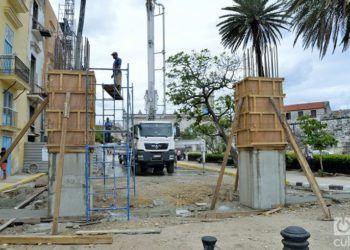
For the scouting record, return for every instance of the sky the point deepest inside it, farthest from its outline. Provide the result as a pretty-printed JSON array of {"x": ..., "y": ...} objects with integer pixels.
[{"x": 120, "y": 25}]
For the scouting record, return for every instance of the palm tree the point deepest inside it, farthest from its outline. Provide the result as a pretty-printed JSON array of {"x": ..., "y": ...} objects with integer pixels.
[
  {"x": 255, "y": 21},
  {"x": 320, "y": 22}
]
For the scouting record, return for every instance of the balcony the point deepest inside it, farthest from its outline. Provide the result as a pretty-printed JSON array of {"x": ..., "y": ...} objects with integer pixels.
[
  {"x": 36, "y": 93},
  {"x": 14, "y": 72},
  {"x": 9, "y": 119},
  {"x": 39, "y": 31}
]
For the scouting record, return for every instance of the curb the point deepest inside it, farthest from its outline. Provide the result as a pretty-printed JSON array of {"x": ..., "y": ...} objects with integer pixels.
[
  {"x": 192, "y": 166},
  {"x": 324, "y": 187},
  {"x": 23, "y": 181}
]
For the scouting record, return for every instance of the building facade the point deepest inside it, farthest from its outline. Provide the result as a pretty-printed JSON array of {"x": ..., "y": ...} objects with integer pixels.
[
  {"x": 28, "y": 29},
  {"x": 36, "y": 62},
  {"x": 14, "y": 76},
  {"x": 338, "y": 122}
]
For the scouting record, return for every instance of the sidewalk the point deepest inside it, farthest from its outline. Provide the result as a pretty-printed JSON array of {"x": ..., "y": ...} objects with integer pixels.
[
  {"x": 294, "y": 178},
  {"x": 16, "y": 180}
]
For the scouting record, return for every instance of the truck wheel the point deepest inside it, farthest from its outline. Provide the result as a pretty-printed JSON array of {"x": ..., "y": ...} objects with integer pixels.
[{"x": 170, "y": 168}]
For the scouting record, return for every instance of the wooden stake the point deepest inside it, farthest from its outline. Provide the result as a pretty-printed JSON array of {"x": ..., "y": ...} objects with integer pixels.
[
  {"x": 236, "y": 180},
  {"x": 302, "y": 161},
  {"x": 6, "y": 224},
  {"x": 32, "y": 197},
  {"x": 59, "y": 166},
  {"x": 24, "y": 129},
  {"x": 227, "y": 152}
]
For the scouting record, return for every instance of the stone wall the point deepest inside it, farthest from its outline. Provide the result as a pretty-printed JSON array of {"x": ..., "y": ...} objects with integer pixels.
[{"x": 338, "y": 123}]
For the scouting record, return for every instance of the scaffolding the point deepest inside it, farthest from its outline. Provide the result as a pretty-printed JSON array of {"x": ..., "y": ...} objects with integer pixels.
[{"x": 109, "y": 177}]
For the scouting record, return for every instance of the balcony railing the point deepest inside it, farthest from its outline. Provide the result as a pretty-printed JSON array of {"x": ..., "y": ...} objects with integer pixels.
[
  {"x": 10, "y": 64},
  {"x": 36, "y": 89},
  {"x": 9, "y": 117}
]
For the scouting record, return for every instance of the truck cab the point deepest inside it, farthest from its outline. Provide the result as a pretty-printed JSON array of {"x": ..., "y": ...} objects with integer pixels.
[{"x": 155, "y": 146}]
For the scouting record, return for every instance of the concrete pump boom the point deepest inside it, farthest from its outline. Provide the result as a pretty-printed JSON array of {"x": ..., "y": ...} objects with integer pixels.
[{"x": 151, "y": 93}]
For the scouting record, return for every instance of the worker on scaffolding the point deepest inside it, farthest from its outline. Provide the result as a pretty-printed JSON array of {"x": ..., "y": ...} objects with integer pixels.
[
  {"x": 117, "y": 73},
  {"x": 108, "y": 127}
]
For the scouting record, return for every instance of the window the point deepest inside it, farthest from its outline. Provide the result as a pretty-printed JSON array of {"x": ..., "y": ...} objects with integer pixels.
[
  {"x": 300, "y": 113},
  {"x": 8, "y": 46},
  {"x": 8, "y": 113},
  {"x": 288, "y": 117},
  {"x": 35, "y": 15},
  {"x": 32, "y": 71},
  {"x": 313, "y": 113}
]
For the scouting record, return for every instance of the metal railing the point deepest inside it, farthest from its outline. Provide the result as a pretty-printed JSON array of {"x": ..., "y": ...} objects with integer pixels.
[
  {"x": 11, "y": 64},
  {"x": 9, "y": 117}
]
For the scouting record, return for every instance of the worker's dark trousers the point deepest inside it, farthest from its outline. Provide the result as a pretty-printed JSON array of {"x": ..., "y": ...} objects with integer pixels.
[{"x": 4, "y": 174}]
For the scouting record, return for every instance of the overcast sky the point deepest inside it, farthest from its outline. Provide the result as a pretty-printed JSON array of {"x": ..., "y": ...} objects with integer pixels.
[{"x": 120, "y": 25}]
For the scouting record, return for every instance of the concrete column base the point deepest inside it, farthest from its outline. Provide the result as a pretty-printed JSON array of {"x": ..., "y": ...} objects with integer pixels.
[
  {"x": 73, "y": 184},
  {"x": 262, "y": 175}
]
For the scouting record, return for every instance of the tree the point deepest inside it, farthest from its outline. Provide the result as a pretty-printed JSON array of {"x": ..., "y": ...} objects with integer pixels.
[
  {"x": 255, "y": 21},
  {"x": 320, "y": 22},
  {"x": 316, "y": 135},
  {"x": 198, "y": 84}
]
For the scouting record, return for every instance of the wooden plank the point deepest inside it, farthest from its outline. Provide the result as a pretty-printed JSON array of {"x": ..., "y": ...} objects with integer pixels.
[
  {"x": 6, "y": 224},
  {"x": 224, "y": 215},
  {"x": 32, "y": 197},
  {"x": 112, "y": 90},
  {"x": 59, "y": 168},
  {"x": 31, "y": 221},
  {"x": 121, "y": 231},
  {"x": 24, "y": 129},
  {"x": 57, "y": 239},
  {"x": 302, "y": 161},
  {"x": 275, "y": 210},
  {"x": 227, "y": 152}
]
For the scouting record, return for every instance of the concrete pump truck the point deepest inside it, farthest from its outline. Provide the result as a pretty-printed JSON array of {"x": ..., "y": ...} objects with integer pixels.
[{"x": 154, "y": 138}]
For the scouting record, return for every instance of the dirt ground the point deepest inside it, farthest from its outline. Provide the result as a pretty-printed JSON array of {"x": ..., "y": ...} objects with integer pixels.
[{"x": 160, "y": 197}]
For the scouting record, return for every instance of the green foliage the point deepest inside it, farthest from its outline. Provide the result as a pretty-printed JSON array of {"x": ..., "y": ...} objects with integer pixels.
[
  {"x": 316, "y": 134},
  {"x": 193, "y": 156},
  {"x": 321, "y": 23},
  {"x": 201, "y": 86},
  {"x": 334, "y": 163},
  {"x": 188, "y": 134},
  {"x": 210, "y": 158},
  {"x": 253, "y": 21},
  {"x": 99, "y": 135}
]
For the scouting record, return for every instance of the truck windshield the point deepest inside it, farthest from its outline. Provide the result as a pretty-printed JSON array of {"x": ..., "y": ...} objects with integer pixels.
[{"x": 156, "y": 129}]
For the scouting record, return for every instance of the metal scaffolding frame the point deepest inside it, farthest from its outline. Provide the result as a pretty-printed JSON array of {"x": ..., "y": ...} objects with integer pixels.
[{"x": 108, "y": 181}]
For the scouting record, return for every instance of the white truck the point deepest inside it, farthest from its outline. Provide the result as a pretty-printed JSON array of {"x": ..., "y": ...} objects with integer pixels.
[{"x": 155, "y": 146}]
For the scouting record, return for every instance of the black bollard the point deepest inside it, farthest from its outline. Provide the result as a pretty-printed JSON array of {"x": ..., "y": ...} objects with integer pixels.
[
  {"x": 209, "y": 242},
  {"x": 295, "y": 238}
]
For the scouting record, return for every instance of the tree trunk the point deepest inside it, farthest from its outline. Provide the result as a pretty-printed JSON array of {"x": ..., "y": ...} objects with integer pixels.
[
  {"x": 221, "y": 131},
  {"x": 259, "y": 61},
  {"x": 321, "y": 163},
  {"x": 257, "y": 48}
]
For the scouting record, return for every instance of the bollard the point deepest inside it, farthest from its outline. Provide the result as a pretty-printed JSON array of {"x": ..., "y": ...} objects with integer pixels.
[
  {"x": 295, "y": 238},
  {"x": 209, "y": 242}
]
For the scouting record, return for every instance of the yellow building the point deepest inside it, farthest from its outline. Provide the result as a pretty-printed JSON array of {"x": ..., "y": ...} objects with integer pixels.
[{"x": 14, "y": 76}]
